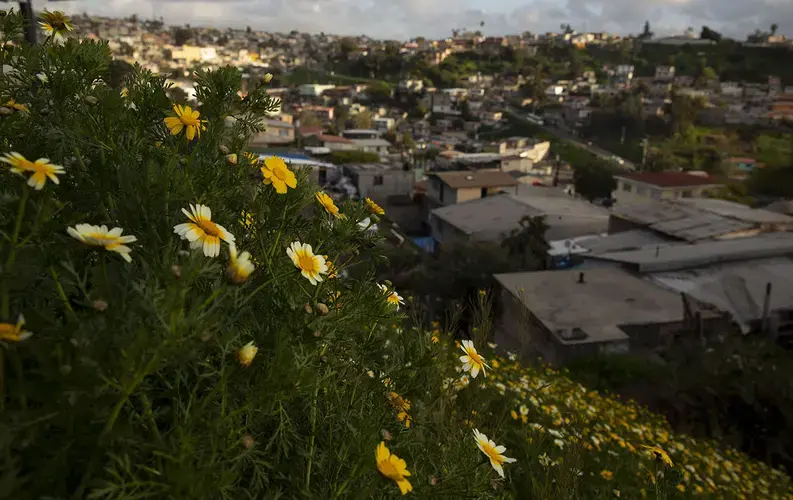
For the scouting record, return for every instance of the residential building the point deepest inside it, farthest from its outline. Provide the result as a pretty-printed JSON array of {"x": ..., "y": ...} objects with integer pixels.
[
  {"x": 665, "y": 73},
  {"x": 491, "y": 218},
  {"x": 563, "y": 315},
  {"x": 313, "y": 89},
  {"x": 647, "y": 186},
  {"x": 380, "y": 181},
  {"x": 323, "y": 113},
  {"x": 379, "y": 146},
  {"x": 275, "y": 132},
  {"x": 697, "y": 219},
  {"x": 332, "y": 142},
  {"x": 356, "y": 133},
  {"x": 383, "y": 124},
  {"x": 448, "y": 188},
  {"x": 739, "y": 168}
]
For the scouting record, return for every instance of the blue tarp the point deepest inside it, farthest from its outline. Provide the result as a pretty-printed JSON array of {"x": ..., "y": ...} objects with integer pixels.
[{"x": 426, "y": 243}]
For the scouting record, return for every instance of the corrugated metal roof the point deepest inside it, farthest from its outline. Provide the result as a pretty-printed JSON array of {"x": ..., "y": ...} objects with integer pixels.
[
  {"x": 678, "y": 257},
  {"x": 628, "y": 240},
  {"x": 700, "y": 226},
  {"x": 737, "y": 288}
]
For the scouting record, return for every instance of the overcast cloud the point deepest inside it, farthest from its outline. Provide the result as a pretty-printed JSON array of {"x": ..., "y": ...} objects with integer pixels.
[{"x": 403, "y": 19}]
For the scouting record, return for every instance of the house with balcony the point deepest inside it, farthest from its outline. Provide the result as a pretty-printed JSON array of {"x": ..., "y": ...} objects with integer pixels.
[{"x": 648, "y": 186}]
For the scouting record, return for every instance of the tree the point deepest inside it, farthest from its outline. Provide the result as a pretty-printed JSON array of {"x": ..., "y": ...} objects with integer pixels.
[
  {"x": 709, "y": 34},
  {"x": 182, "y": 36},
  {"x": 774, "y": 27},
  {"x": 363, "y": 120},
  {"x": 308, "y": 119},
  {"x": 528, "y": 242},
  {"x": 646, "y": 33},
  {"x": 682, "y": 113},
  {"x": 594, "y": 180},
  {"x": 380, "y": 92}
]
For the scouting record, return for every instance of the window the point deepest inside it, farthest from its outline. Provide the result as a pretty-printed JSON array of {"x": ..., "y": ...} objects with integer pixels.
[
  {"x": 686, "y": 193},
  {"x": 656, "y": 194},
  {"x": 283, "y": 132},
  {"x": 641, "y": 191},
  {"x": 484, "y": 192},
  {"x": 378, "y": 180},
  {"x": 626, "y": 187}
]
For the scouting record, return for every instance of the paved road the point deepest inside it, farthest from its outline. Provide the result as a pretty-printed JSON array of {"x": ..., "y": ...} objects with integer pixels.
[{"x": 595, "y": 150}]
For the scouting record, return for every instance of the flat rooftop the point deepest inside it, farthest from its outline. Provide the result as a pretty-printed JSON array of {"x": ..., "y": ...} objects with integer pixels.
[
  {"x": 494, "y": 214},
  {"x": 608, "y": 298},
  {"x": 372, "y": 167}
]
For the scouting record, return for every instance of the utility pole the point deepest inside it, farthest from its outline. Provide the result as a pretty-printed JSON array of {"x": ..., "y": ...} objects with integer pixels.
[
  {"x": 26, "y": 9},
  {"x": 644, "y": 154},
  {"x": 556, "y": 171}
]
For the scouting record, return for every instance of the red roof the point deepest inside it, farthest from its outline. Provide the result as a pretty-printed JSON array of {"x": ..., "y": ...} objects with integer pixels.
[
  {"x": 671, "y": 179},
  {"x": 334, "y": 138}
]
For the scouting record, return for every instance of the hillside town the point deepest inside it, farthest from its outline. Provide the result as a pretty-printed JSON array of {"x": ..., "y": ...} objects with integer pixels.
[
  {"x": 470, "y": 162},
  {"x": 244, "y": 260}
]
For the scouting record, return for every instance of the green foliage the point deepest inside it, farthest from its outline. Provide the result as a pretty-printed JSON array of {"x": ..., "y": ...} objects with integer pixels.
[
  {"x": 594, "y": 180},
  {"x": 342, "y": 157}
]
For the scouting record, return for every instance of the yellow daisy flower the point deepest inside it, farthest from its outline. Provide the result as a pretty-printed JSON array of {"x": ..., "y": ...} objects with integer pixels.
[
  {"x": 246, "y": 353},
  {"x": 392, "y": 298},
  {"x": 17, "y": 106},
  {"x": 659, "y": 454},
  {"x": 185, "y": 118},
  {"x": 55, "y": 24},
  {"x": 240, "y": 266},
  {"x": 472, "y": 361},
  {"x": 267, "y": 78},
  {"x": 100, "y": 236},
  {"x": 202, "y": 232},
  {"x": 606, "y": 474},
  {"x": 41, "y": 169},
  {"x": 374, "y": 207},
  {"x": 311, "y": 266},
  {"x": 435, "y": 339},
  {"x": 327, "y": 203},
  {"x": 392, "y": 467},
  {"x": 14, "y": 333},
  {"x": 277, "y": 173},
  {"x": 402, "y": 406},
  {"x": 492, "y": 451}
]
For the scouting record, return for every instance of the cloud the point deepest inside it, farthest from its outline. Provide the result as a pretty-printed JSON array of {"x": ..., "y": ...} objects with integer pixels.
[{"x": 403, "y": 19}]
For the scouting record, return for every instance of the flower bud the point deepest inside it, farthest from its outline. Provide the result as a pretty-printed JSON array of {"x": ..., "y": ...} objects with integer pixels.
[
  {"x": 176, "y": 269},
  {"x": 100, "y": 305},
  {"x": 267, "y": 78},
  {"x": 231, "y": 159},
  {"x": 224, "y": 149},
  {"x": 91, "y": 99},
  {"x": 246, "y": 354},
  {"x": 248, "y": 442},
  {"x": 307, "y": 308},
  {"x": 322, "y": 309},
  {"x": 5, "y": 111}
]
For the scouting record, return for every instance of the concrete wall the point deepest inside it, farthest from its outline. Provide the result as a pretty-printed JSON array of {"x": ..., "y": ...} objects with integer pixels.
[
  {"x": 394, "y": 182},
  {"x": 637, "y": 192}
]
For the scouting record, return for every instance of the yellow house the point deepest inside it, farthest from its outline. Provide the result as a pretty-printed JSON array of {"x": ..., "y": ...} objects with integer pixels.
[{"x": 644, "y": 186}]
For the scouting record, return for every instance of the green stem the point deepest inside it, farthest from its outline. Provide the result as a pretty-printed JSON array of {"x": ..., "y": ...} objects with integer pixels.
[
  {"x": 261, "y": 287},
  {"x": 278, "y": 235},
  {"x": 12, "y": 254},
  {"x": 313, "y": 429},
  {"x": 62, "y": 294}
]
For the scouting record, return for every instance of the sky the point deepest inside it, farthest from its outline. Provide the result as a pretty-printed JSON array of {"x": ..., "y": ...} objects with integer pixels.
[{"x": 405, "y": 19}]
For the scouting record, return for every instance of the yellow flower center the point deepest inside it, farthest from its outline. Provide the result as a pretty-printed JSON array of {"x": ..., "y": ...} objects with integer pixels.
[
  {"x": 8, "y": 330},
  {"x": 492, "y": 453},
  {"x": 41, "y": 168},
  {"x": 393, "y": 298},
  {"x": 189, "y": 120},
  {"x": 209, "y": 227},
  {"x": 102, "y": 238},
  {"x": 306, "y": 262},
  {"x": 280, "y": 172},
  {"x": 475, "y": 357}
]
